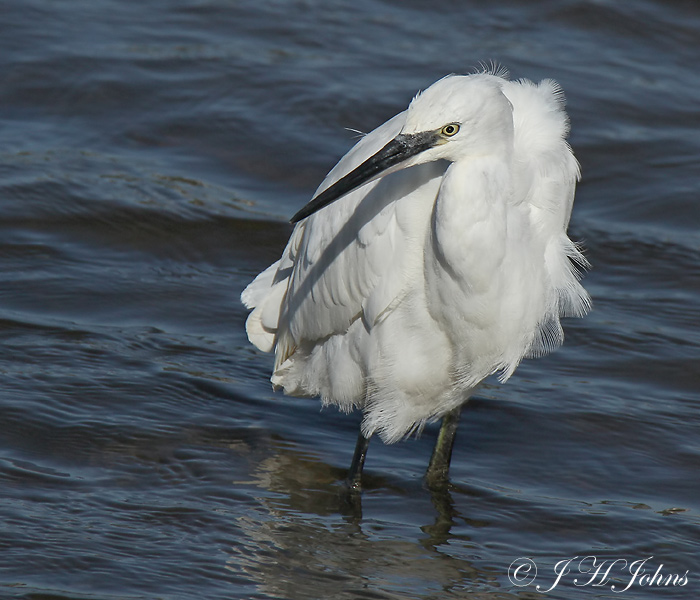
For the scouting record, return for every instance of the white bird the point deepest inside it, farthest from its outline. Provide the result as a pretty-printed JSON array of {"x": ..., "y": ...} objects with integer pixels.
[{"x": 443, "y": 259}]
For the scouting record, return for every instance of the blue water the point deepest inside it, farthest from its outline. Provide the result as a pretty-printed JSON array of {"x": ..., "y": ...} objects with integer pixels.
[{"x": 151, "y": 155}]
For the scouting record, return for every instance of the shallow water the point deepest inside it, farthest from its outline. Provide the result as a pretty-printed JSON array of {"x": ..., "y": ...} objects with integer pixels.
[{"x": 152, "y": 154}]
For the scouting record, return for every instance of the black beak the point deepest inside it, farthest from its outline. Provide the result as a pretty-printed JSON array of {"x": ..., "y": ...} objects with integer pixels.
[{"x": 401, "y": 148}]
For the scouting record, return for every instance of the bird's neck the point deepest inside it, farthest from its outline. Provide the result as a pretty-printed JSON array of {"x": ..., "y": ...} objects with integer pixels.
[{"x": 470, "y": 218}]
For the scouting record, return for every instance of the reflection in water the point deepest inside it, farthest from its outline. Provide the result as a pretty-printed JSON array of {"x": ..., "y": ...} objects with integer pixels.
[
  {"x": 310, "y": 553},
  {"x": 439, "y": 531}
]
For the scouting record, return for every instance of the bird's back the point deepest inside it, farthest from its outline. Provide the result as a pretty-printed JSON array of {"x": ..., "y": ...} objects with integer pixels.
[{"x": 548, "y": 168}]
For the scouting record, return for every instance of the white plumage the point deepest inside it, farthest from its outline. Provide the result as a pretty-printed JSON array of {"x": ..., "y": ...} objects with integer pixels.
[{"x": 444, "y": 268}]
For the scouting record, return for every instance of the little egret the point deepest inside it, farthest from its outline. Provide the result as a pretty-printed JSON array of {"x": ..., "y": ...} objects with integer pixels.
[{"x": 442, "y": 259}]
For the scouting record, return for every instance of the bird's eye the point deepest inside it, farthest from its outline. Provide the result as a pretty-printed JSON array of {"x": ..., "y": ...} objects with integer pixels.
[{"x": 450, "y": 130}]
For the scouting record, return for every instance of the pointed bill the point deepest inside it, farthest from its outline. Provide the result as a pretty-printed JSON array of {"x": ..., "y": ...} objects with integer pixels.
[{"x": 397, "y": 151}]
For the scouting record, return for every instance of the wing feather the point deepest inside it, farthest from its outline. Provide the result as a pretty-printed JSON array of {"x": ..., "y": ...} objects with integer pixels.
[
  {"x": 342, "y": 268},
  {"x": 352, "y": 261}
]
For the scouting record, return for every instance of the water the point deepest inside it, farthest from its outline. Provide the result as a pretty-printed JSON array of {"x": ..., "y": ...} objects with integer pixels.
[{"x": 151, "y": 155}]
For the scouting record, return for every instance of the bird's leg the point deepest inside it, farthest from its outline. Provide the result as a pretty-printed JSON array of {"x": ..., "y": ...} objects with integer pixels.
[
  {"x": 354, "y": 479},
  {"x": 439, "y": 466}
]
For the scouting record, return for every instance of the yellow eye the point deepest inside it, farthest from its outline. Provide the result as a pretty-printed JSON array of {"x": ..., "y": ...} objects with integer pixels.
[{"x": 450, "y": 130}]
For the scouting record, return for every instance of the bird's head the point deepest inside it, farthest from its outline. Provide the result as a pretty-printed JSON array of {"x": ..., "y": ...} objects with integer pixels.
[
  {"x": 463, "y": 115},
  {"x": 456, "y": 117}
]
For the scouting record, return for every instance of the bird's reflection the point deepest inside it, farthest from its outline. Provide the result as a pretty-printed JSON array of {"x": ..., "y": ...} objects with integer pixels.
[
  {"x": 315, "y": 535},
  {"x": 438, "y": 532},
  {"x": 445, "y": 515}
]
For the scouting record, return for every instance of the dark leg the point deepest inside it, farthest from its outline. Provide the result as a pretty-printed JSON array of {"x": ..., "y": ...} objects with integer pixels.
[
  {"x": 354, "y": 479},
  {"x": 439, "y": 466}
]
